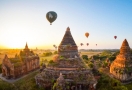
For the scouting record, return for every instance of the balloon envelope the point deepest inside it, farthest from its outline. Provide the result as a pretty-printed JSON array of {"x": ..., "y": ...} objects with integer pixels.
[
  {"x": 87, "y": 34},
  {"x": 51, "y": 16},
  {"x": 87, "y": 44},
  {"x": 81, "y": 44},
  {"x": 115, "y": 37}
]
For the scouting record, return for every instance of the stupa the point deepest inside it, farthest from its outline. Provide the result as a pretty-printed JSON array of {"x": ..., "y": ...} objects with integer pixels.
[
  {"x": 121, "y": 67},
  {"x": 70, "y": 65}
]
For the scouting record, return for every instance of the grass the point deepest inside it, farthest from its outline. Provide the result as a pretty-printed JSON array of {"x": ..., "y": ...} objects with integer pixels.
[
  {"x": 89, "y": 53},
  {"x": 5, "y": 86},
  {"x": 129, "y": 86},
  {"x": 27, "y": 83}
]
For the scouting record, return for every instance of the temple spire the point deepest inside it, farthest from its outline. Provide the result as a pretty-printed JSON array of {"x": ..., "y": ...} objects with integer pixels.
[
  {"x": 68, "y": 29},
  {"x": 67, "y": 39},
  {"x": 26, "y": 47},
  {"x": 68, "y": 47},
  {"x": 125, "y": 47}
]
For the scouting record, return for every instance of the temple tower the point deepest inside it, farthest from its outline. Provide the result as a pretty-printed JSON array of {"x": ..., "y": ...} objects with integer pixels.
[
  {"x": 121, "y": 67},
  {"x": 26, "y": 49},
  {"x": 68, "y": 47}
]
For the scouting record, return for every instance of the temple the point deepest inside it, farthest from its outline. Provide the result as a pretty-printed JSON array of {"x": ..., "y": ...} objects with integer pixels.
[
  {"x": 21, "y": 64},
  {"x": 121, "y": 67},
  {"x": 67, "y": 71}
]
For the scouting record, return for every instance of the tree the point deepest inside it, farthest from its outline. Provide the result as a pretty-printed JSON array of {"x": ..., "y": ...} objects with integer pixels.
[
  {"x": 116, "y": 53},
  {"x": 95, "y": 57},
  {"x": 47, "y": 53},
  {"x": 112, "y": 58},
  {"x": 90, "y": 65},
  {"x": 106, "y": 53},
  {"x": 55, "y": 52},
  {"x": 85, "y": 57},
  {"x": 107, "y": 83}
]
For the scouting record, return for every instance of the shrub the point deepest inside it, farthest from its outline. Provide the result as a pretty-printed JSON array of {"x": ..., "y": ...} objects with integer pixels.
[{"x": 85, "y": 57}]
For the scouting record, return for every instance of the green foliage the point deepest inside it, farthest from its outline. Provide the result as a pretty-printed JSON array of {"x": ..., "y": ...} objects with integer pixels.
[
  {"x": 6, "y": 86},
  {"x": 105, "y": 64},
  {"x": 85, "y": 57},
  {"x": 61, "y": 57},
  {"x": 112, "y": 58},
  {"x": 27, "y": 83},
  {"x": 116, "y": 53},
  {"x": 107, "y": 83},
  {"x": 106, "y": 53},
  {"x": 90, "y": 65},
  {"x": 55, "y": 52},
  {"x": 95, "y": 57},
  {"x": 102, "y": 57},
  {"x": 47, "y": 54},
  {"x": 51, "y": 61},
  {"x": 54, "y": 86},
  {"x": 129, "y": 86}
]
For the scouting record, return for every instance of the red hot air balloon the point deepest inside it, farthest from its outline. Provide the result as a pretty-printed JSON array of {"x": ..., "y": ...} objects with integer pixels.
[
  {"x": 115, "y": 37},
  {"x": 87, "y": 44},
  {"x": 81, "y": 44}
]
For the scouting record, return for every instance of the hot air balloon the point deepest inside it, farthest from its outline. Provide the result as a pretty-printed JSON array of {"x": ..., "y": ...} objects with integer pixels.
[
  {"x": 81, "y": 44},
  {"x": 87, "y": 44},
  {"x": 96, "y": 44},
  {"x": 54, "y": 45},
  {"x": 51, "y": 16},
  {"x": 115, "y": 37},
  {"x": 87, "y": 34}
]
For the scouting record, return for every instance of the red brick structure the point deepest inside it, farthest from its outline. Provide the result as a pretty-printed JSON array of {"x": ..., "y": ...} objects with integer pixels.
[
  {"x": 21, "y": 64},
  {"x": 121, "y": 67}
]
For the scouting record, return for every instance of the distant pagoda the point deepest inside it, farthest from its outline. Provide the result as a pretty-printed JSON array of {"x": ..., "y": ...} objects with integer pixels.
[
  {"x": 69, "y": 65},
  {"x": 121, "y": 67},
  {"x": 21, "y": 64}
]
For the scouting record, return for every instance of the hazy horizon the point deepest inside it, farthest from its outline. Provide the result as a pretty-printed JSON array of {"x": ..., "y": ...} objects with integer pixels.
[{"x": 24, "y": 21}]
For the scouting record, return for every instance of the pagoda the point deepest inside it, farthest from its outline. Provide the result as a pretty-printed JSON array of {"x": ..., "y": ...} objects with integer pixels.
[
  {"x": 68, "y": 68},
  {"x": 21, "y": 64},
  {"x": 121, "y": 67}
]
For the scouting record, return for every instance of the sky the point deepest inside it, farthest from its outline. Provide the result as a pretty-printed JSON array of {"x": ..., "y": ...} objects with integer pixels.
[{"x": 24, "y": 21}]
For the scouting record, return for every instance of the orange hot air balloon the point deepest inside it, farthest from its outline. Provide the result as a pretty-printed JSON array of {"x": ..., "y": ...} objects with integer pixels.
[
  {"x": 87, "y": 44},
  {"x": 115, "y": 37},
  {"x": 87, "y": 34}
]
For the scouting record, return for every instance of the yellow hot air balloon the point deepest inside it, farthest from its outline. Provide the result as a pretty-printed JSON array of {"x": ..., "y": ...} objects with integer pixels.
[{"x": 87, "y": 34}]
